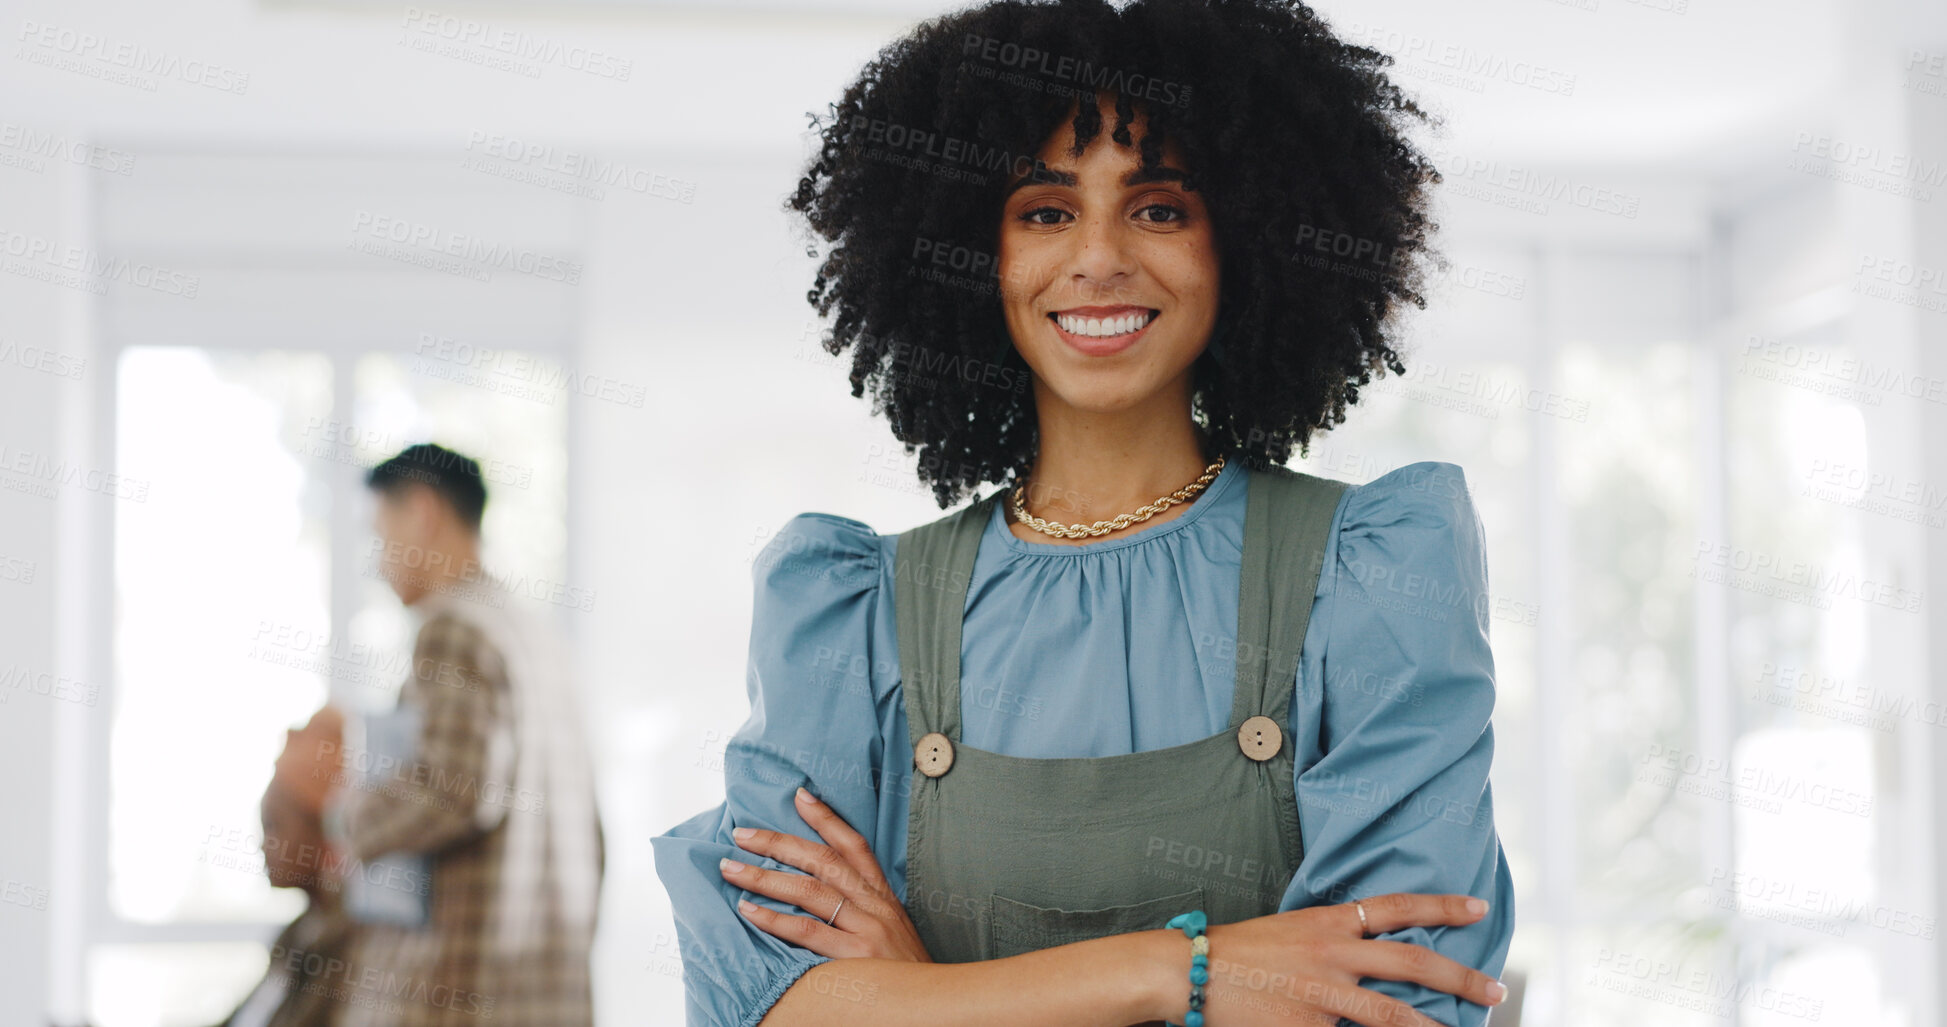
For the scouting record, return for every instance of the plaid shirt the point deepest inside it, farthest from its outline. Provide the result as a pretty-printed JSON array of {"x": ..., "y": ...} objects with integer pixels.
[
  {"x": 501, "y": 797},
  {"x": 301, "y": 963}
]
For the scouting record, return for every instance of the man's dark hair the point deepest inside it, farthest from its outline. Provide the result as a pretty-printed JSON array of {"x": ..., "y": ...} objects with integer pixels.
[
  {"x": 1296, "y": 138},
  {"x": 454, "y": 477}
]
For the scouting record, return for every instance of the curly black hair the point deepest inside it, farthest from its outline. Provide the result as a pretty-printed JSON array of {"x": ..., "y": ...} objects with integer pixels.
[{"x": 1295, "y": 138}]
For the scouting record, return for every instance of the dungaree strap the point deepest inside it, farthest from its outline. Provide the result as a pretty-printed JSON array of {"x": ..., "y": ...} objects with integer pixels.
[
  {"x": 933, "y": 567},
  {"x": 1287, "y": 538}
]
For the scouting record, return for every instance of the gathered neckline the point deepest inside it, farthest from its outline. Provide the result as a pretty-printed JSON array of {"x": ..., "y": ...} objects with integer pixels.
[{"x": 997, "y": 523}]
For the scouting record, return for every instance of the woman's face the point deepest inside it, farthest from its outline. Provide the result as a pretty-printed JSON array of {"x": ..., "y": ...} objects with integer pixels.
[{"x": 1109, "y": 285}]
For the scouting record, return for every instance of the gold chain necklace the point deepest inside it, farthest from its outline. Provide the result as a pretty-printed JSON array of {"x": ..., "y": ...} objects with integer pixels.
[{"x": 1143, "y": 513}]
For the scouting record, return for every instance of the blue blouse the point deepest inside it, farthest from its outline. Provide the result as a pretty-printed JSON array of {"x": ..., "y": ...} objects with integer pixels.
[{"x": 1113, "y": 647}]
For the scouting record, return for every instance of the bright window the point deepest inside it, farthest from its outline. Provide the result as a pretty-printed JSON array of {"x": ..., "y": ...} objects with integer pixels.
[{"x": 245, "y": 592}]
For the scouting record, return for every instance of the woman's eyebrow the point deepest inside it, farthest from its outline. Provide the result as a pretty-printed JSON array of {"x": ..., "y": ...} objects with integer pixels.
[
  {"x": 1042, "y": 175},
  {"x": 1139, "y": 176},
  {"x": 1159, "y": 173}
]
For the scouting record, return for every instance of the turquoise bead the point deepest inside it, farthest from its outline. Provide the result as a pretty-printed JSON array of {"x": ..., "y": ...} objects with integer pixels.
[{"x": 1193, "y": 924}]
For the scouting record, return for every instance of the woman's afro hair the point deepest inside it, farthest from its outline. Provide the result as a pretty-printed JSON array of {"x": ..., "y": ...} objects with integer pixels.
[{"x": 1294, "y": 138}]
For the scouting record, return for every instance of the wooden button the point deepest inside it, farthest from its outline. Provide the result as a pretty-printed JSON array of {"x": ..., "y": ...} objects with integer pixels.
[
  {"x": 934, "y": 754},
  {"x": 1260, "y": 738}
]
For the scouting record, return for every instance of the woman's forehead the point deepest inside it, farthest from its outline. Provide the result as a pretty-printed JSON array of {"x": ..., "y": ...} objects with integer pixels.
[{"x": 1104, "y": 157}]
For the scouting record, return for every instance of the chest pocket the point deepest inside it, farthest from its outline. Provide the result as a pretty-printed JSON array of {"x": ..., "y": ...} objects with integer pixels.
[{"x": 1014, "y": 927}]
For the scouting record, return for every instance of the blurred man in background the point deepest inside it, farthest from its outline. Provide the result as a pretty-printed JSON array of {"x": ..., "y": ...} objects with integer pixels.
[{"x": 496, "y": 791}]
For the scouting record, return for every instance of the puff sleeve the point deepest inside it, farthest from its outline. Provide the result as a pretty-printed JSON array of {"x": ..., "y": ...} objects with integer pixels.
[
  {"x": 1395, "y": 741},
  {"x": 812, "y": 722}
]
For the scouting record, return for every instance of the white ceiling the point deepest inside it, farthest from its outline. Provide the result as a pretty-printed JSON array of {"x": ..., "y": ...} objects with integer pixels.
[{"x": 1690, "y": 92}]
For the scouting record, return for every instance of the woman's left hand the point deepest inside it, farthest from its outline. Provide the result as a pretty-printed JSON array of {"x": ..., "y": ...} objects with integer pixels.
[{"x": 872, "y": 922}]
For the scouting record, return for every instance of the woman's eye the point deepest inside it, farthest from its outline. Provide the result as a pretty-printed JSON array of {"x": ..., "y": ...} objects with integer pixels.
[{"x": 1169, "y": 214}]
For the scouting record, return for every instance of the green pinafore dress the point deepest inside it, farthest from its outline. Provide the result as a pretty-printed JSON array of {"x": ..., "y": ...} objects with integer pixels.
[{"x": 1010, "y": 854}]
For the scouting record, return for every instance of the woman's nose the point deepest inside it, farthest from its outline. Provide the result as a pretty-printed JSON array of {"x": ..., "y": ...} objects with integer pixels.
[{"x": 1101, "y": 250}]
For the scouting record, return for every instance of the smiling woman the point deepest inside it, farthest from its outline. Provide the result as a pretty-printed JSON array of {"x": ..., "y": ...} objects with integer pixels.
[
  {"x": 1296, "y": 216},
  {"x": 1101, "y": 253},
  {"x": 993, "y": 761}
]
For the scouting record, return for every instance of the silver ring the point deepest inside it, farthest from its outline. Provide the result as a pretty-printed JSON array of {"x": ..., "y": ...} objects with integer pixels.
[
  {"x": 1365, "y": 931},
  {"x": 834, "y": 916}
]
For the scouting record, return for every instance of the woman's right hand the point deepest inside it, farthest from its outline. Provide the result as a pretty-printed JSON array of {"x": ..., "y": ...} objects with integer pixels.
[{"x": 1303, "y": 966}]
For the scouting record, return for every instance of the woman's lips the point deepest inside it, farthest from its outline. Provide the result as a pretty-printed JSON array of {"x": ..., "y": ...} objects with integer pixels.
[{"x": 1102, "y": 345}]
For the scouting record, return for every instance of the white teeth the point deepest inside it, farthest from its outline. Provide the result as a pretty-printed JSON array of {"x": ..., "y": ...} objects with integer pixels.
[{"x": 1104, "y": 327}]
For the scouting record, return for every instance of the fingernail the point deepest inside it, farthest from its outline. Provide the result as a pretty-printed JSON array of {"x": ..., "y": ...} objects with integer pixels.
[
  {"x": 1476, "y": 905},
  {"x": 1497, "y": 991},
  {"x": 743, "y": 834},
  {"x": 745, "y": 906},
  {"x": 730, "y": 866},
  {"x": 807, "y": 796}
]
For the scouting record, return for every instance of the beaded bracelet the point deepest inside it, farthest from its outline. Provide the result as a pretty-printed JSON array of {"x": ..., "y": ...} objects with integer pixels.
[{"x": 1193, "y": 924}]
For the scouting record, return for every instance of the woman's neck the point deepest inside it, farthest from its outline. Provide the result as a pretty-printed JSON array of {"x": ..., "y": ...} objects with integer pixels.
[{"x": 1091, "y": 467}]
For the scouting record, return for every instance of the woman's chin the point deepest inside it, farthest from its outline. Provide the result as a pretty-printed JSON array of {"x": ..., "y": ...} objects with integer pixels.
[{"x": 1102, "y": 392}]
